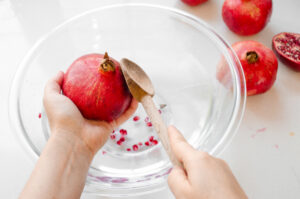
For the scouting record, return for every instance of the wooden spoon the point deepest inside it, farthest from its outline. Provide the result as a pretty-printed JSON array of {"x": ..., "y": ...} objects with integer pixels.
[{"x": 142, "y": 90}]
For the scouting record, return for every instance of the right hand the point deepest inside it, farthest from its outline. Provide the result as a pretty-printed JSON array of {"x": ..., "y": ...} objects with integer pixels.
[{"x": 204, "y": 177}]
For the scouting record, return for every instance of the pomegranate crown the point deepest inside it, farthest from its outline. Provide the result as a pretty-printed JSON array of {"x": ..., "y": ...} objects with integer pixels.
[{"x": 107, "y": 65}]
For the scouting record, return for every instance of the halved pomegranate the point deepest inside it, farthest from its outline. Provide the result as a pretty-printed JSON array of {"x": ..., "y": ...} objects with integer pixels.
[{"x": 287, "y": 47}]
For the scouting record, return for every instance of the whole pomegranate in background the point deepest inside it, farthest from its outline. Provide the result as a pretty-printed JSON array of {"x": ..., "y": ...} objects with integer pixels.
[
  {"x": 259, "y": 64},
  {"x": 287, "y": 47},
  {"x": 246, "y": 17},
  {"x": 193, "y": 2},
  {"x": 95, "y": 83}
]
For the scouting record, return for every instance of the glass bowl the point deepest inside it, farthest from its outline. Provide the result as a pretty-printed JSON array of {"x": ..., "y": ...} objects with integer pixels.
[{"x": 179, "y": 52}]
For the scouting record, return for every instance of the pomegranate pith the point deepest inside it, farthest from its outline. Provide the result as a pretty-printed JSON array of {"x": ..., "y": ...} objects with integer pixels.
[{"x": 96, "y": 85}]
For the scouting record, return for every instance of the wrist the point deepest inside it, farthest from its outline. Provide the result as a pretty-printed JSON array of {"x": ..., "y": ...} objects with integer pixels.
[{"x": 72, "y": 143}]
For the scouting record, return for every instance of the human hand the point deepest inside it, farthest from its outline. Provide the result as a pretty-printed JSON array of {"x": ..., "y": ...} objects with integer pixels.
[
  {"x": 204, "y": 177},
  {"x": 66, "y": 120}
]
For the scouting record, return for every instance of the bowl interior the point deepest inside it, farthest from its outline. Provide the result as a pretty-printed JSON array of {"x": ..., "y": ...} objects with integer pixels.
[{"x": 179, "y": 53}]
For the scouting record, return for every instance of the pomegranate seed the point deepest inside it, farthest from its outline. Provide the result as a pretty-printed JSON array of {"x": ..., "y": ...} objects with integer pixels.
[
  {"x": 119, "y": 142},
  {"x": 113, "y": 131},
  {"x": 155, "y": 142},
  {"x": 122, "y": 139},
  {"x": 147, "y": 119},
  {"x": 147, "y": 143},
  {"x": 135, "y": 147},
  {"x": 149, "y": 124},
  {"x": 136, "y": 118},
  {"x": 151, "y": 138},
  {"x": 112, "y": 137},
  {"x": 128, "y": 149},
  {"x": 140, "y": 144},
  {"x": 40, "y": 115},
  {"x": 123, "y": 132}
]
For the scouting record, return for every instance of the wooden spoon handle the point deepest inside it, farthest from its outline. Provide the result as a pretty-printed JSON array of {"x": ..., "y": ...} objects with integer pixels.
[{"x": 160, "y": 127}]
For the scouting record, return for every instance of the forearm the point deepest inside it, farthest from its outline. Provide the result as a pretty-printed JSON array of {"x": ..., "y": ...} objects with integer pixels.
[{"x": 61, "y": 170}]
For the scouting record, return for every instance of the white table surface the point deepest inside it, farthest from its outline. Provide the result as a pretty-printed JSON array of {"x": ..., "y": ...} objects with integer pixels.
[{"x": 267, "y": 164}]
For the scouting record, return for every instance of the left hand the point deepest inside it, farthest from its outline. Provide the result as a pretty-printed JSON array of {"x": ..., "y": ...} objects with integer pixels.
[{"x": 66, "y": 120}]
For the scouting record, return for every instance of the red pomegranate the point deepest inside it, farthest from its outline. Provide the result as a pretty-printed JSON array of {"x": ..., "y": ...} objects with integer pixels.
[
  {"x": 287, "y": 47},
  {"x": 246, "y": 17},
  {"x": 95, "y": 83},
  {"x": 259, "y": 64}
]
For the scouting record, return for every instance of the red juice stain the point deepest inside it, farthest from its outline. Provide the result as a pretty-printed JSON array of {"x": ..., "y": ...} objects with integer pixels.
[
  {"x": 136, "y": 118},
  {"x": 140, "y": 144},
  {"x": 159, "y": 111},
  {"x": 103, "y": 152},
  {"x": 135, "y": 147},
  {"x": 147, "y": 119}
]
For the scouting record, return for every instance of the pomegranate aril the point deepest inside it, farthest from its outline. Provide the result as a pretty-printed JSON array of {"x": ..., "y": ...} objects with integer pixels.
[
  {"x": 149, "y": 124},
  {"x": 112, "y": 137},
  {"x": 128, "y": 149},
  {"x": 40, "y": 115},
  {"x": 147, "y": 143},
  {"x": 119, "y": 142},
  {"x": 135, "y": 147},
  {"x": 136, "y": 118},
  {"x": 122, "y": 139},
  {"x": 151, "y": 138},
  {"x": 140, "y": 144},
  {"x": 155, "y": 142},
  {"x": 123, "y": 132}
]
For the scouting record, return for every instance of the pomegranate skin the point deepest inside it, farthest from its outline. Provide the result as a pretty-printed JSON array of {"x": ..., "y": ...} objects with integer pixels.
[
  {"x": 261, "y": 74},
  {"x": 246, "y": 17},
  {"x": 281, "y": 40},
  {"x": 98, "y": 94}
]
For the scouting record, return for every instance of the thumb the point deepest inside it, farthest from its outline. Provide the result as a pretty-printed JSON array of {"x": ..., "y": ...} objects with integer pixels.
[{"x": 54, "y": 84}]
